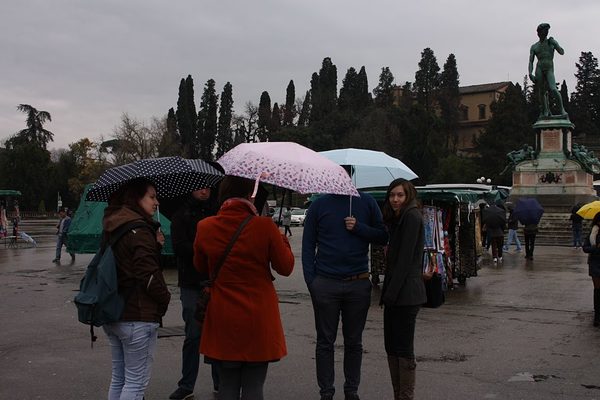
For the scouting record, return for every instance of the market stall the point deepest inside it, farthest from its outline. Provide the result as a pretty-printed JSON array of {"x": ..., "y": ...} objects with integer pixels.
[{"x": 453, "y": 246}]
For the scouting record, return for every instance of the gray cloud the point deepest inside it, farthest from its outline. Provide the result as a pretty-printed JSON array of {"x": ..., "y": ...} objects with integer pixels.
[{"x": 87, "y": 62}]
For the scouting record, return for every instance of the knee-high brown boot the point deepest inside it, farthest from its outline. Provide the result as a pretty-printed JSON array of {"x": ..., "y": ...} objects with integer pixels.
[
  {"x": 394, "y": 364},
  {"x": 407, "y": 368}
]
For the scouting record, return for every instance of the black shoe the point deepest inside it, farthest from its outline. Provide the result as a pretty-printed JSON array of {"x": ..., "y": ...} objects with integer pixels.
[
  {"x": 351, "y": 396},
  {"x": 596, "y": 323},
  {"x": 181, "y": 394},
  {"x": 56, "y": 260},
  {"x": 72, "y": 257},
  {"x": 326, "y": 397}
]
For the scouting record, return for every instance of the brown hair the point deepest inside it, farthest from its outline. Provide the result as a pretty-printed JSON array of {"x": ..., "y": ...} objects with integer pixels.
[
  {"x": 411, "y": 195},
  {"x": 131, "y": 193},
  {"x": 235, "y": 186}
]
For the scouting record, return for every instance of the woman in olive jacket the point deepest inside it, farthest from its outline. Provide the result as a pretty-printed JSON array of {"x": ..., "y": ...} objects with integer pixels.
[
  {"x": 142, "y": 285},
  {"x": 403, "y": 289}
]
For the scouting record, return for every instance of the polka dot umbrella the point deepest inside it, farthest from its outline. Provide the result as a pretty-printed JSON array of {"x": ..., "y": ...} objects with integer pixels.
[{"x": 172, "y": 176}]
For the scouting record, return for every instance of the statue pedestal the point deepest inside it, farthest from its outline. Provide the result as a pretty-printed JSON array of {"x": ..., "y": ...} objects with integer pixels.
[{"x": 556, "y": 181}]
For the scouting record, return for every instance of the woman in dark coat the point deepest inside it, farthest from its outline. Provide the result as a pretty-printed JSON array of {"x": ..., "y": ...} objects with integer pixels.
[
  {"x": 133, "y": 338},
  {"x": 594, "y": 267},
  {"x": 403, "y": 289}
]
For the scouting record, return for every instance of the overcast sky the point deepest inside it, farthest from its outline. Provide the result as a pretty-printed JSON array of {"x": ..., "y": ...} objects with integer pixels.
[{"x": 87, "y": 62}]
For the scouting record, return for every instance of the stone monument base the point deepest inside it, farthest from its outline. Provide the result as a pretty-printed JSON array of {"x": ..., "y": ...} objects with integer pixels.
[{"x": 555, "y": 180}]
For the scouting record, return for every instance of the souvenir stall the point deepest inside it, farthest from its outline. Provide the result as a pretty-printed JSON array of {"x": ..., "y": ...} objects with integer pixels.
[{"x": 453, "y": 249}]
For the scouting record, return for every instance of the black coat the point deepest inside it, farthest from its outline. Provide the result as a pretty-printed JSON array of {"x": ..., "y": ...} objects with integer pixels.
[
  {"x": 593, "y": 257},
  {"x": 403, "y": 283},
  {"x": 183, "y": 233}
]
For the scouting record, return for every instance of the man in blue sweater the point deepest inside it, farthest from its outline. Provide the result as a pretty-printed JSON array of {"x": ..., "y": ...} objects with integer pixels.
[{"x": 335, "y": 261}]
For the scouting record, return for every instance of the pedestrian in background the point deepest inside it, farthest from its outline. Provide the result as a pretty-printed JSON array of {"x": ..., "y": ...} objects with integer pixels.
[
  {"x": 577, "y": 227},
  {"x": 513, "y": 226},
  {"x": 593, "y": 250},
  {"x": 62, "y": 229},
  {"x": 530, "y": 231},
  {"x": 287, "y": 221},
  {"x": 242, "y": 329},
  {"x": 403, "y": 289},
  {"x": 133, "y": 338},
  {"x": 197, "y": 206},
  {"x": 335, "y": 261}
]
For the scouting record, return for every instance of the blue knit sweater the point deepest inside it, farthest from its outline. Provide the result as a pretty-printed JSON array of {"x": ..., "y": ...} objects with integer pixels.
[{"x": 328, "y": 248}]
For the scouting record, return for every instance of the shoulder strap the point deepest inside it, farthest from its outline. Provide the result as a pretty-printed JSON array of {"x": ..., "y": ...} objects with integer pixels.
[
  {"x": 228, "y": 248},
  {"x": 121, "y": 231}
]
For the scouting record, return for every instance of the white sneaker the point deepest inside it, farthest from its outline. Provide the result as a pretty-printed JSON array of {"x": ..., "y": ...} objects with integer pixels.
[
  {"x": 500, "y": 259},
  {"x": 495, "y": 261}
]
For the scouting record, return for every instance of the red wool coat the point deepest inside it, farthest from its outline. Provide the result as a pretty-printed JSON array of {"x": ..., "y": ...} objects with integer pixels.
[{"x": 242, "y": 320}]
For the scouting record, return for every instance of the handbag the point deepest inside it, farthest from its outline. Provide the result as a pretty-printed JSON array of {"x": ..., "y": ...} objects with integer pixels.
[
  {"x": 204, "y": 297},
  {"x": 433, "y": 283}
]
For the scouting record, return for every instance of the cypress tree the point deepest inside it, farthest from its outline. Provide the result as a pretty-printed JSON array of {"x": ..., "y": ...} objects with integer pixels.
[
  {"x": 328, "y": 87},
  {"x": 427, "y": 79},
  {"x": 186, "y": 117},
  {"x": 585, "y": 107},
  {"x": 207, "y": 121},
  {"x": 449, "y": 101},
  {"x": 363, "y": 97},
  {"x": 304, "y": 115},
  {"x": 384, "y": 95},
  {"x": 170, "y": 142},
  {"x": 315, "y": 107},
  {"x": 349, "y": 91},
  {"x": 224, "y": 133},
  {"x": 275, "y": 119},
  {"x": 264, "y": 117},
  {"x": 289, "y": 112}
]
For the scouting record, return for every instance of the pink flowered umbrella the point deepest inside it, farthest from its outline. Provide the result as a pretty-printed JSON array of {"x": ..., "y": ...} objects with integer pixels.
[{"x": 288, "y": 165}]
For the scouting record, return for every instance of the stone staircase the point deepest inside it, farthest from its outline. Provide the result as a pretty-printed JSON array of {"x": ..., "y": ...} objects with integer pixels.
[{"x": 555, "y": 230}]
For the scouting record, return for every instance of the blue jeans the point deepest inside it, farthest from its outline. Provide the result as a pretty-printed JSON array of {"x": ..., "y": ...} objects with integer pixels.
[
  {"x": 132, "y": 345},
  {"x": 512, "y": 236},
  {"x": 332, "y": 298},
  {"x": 190, "y": 352},
  {"x": 577, "y": 235}
]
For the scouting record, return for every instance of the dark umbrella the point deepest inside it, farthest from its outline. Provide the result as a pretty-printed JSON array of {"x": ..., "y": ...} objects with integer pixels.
[
  {"x": 528, "y": 211},
  {"x": 494, "y": 216},
  {"x": 172, "y": 176}
]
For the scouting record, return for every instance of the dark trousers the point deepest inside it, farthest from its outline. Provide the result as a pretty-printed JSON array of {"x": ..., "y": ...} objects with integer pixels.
[
  {"x": 577, "y": 228},
  {"x": 529, "y": 244},
  {"x": 190, "y": 353},
  {"x": 399, "y": 330},
  {"x": 497, "y": 245},
  {"x": 331, "y": 299},
  {"x": 287, "y": 230},
  {"x": 247, "y": 378}
]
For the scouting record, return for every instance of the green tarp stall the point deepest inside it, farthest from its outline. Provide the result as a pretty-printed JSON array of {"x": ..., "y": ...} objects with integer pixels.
[
  {"x": 85, "y": 231},
  {"x": 7, "y": 192}
]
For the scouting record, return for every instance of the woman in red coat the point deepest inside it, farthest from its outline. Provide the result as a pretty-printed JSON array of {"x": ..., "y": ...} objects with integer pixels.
[{"x": 242, "y": 329}]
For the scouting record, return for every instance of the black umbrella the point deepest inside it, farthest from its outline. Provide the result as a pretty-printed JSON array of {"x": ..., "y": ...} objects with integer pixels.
[
  {"x": 494, "y": 216},
  {"x": 172, "y": 176}
]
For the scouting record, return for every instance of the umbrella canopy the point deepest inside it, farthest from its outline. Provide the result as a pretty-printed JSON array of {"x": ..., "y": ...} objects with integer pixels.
[
  {"x": 370, "y": 168},
  {"x": 288, "y": 165},
  {"x": 494, "y": 216},
  {"x": 589, "y": 210},
  {"x": 172, "y": 176},
  {"x": 528, "y": 211}
]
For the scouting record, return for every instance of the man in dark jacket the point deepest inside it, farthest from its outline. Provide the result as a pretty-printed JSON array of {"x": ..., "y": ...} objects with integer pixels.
[
  {"x": 335, "y": 261},
  {"x": 183, "y": 232}
]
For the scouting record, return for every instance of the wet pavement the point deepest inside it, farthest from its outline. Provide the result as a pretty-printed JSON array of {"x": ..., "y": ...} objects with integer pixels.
[{"x": 520, "y": 330}]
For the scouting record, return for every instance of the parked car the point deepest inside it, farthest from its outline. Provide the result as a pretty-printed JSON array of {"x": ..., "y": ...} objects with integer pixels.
[{"x": 298, "y": 216}]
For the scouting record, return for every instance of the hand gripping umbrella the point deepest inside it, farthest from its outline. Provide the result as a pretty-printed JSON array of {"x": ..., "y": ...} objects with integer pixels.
[{"x": 172, "y": 176}]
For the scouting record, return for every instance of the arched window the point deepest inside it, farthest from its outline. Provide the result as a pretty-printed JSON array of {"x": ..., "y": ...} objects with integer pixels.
[{"x": 464, "y": 113}]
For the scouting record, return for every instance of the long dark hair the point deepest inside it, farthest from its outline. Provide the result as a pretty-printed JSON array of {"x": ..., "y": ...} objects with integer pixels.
[
  {"x": 234, "y": 186},
  {"x": 131, "y": 193},
  {"x": 389, "y": 216}
]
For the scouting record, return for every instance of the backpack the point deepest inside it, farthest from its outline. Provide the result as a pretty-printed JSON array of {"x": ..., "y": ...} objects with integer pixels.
[{"x": 98, "y": 301}]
